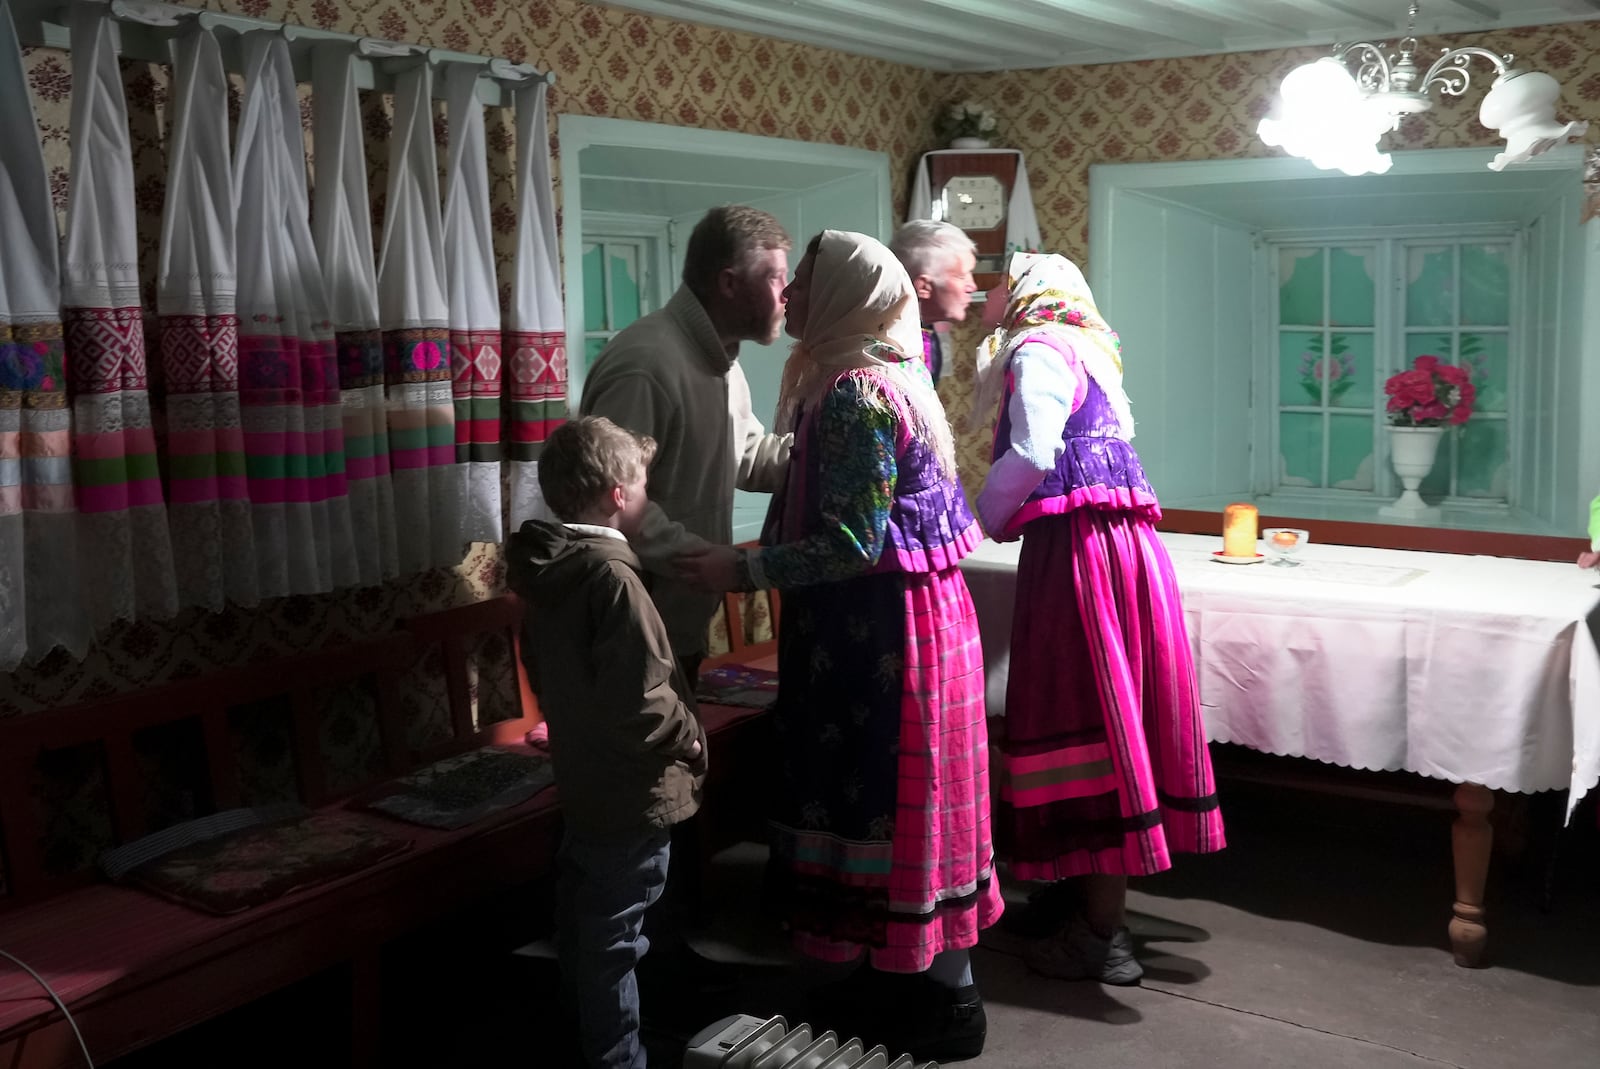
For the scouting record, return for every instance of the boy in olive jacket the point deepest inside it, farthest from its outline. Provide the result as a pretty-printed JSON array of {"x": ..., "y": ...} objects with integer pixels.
[{"x": 628, "y": 749}]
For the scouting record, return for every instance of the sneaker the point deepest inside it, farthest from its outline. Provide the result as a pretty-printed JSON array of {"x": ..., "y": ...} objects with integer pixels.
[
  {"x": 1079, "y": 954},
  {"x": 1047, "y": 911}
]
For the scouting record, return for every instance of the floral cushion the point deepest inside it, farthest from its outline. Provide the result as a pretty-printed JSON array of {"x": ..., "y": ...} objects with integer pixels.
[
  {"x": 736, "y": 684},
  {"x": 244, "y": 868},
  {"x": 456, "y": 791}
]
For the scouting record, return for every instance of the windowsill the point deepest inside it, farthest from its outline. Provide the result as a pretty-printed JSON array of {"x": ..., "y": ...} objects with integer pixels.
[{"x": 1498, "y": 519}]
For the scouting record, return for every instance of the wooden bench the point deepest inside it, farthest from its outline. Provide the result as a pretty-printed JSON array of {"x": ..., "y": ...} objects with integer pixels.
[{"x": 134, "y": 968}]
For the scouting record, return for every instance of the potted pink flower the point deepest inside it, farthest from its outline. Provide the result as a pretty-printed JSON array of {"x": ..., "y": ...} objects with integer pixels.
[{"x": 1423, "y": 400}]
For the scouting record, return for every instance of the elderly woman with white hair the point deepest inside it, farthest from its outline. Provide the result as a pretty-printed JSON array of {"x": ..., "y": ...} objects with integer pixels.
[{"x": 880, "y": 820}]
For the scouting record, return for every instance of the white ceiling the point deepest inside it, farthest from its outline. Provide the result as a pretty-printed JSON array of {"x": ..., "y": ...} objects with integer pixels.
[
  {"x": 667, "y": 183},
  {"x": 975, "y": 35}
]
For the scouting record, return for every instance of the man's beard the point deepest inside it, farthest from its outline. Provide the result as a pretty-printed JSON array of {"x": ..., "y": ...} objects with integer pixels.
[{"x": 763, "y": 330}]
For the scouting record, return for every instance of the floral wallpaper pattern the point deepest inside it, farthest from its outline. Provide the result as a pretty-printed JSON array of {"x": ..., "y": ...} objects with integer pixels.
[
  {"x": 607, "y": 62},
  {"x": 621, "y": 64},
  {"x": 1066, "y": 119}
]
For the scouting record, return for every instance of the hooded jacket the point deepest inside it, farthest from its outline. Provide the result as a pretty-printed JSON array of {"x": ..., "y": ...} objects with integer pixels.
[{"x": 622, "y": 722}]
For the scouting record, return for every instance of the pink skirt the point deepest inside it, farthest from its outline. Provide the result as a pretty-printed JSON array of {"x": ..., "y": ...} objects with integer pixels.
[
  {"x": 1101, "y": 762},
  {"x": 923, "y": 881}
]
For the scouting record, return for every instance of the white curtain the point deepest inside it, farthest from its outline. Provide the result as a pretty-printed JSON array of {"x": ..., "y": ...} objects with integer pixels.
[
  {"x": 474, "y": 305},
  {"x": 342, "y": 228},
  {"x": 428, "y": 484},
  {"x": 537, "y": 368},
  {"x": 124, "y": 546},
  {"x": 40, "y": 599},
  {"x": 209, "y": 500},
  {"x": 293, "y": 422}
]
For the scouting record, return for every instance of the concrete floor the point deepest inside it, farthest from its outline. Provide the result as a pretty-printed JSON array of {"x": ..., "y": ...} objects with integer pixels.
[{"x": 1317, "y": 939}]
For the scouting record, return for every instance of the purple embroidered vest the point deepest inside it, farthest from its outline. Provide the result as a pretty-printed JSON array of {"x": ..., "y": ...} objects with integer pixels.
[
  {"x": 930, "y": 526},
  {"x": 1097, "y": 469},
  {"x": 932, "y": 354}
]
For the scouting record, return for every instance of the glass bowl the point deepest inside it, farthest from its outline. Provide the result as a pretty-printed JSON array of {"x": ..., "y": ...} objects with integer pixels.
[{"x": 1282, "y": 544}]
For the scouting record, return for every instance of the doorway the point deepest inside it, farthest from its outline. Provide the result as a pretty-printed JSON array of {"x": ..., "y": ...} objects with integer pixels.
[{"x": 637, "y": 189}]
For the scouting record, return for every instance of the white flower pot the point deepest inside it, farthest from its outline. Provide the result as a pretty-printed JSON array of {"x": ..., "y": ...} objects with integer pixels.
[
  {"x": 1412, "y": 451},
  {"x": 969, "y": 142}
]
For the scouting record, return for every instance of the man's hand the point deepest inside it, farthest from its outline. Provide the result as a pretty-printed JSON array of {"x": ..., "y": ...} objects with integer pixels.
[
  {"x": 712, "y": 567},
  {"x": 1590, "y": 559}
]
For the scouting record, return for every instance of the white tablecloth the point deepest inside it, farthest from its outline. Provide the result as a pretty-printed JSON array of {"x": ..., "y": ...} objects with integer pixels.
[{"x": 1467, "y": 669}]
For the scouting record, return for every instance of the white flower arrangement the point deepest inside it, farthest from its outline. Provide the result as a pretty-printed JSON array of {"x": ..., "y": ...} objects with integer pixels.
[{"x": 966, "y": 119}]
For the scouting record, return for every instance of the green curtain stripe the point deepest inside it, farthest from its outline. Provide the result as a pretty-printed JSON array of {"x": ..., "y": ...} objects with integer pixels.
[
  {"x": 205, "y": 465},
  {"x": 108, "y": 471}
]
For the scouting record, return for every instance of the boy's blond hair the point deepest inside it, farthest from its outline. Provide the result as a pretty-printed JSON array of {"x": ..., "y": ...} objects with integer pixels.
[{"x": 584, "y": 458}]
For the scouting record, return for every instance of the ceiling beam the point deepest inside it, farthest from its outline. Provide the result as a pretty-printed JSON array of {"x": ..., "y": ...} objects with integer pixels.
[
  {"x": 958, "y": 33},
  {"x": 1124, "y": 15},
  {"x": 1114, "y": 44},
  {"x": 1249, "y": 14}
]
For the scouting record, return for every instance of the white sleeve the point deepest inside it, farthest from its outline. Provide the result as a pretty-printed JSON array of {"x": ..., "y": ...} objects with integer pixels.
[
  {"x": 763, "y": 457},
  {"x": 1048, "y": 390}
]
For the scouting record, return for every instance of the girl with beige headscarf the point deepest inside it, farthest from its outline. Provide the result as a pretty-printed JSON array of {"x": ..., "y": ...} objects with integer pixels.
[
  {"x": 880, "y": 818},
  {"x": 1103, "y": 767}
]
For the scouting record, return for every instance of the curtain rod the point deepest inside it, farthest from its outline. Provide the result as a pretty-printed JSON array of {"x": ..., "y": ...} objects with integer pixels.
[{"x": 146, "y": 31}]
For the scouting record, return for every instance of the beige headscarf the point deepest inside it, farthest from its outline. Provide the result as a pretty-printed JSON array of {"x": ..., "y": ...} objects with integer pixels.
[
  {"x": 863, "y": 314},
  {"x": 1049, "y": 295}
]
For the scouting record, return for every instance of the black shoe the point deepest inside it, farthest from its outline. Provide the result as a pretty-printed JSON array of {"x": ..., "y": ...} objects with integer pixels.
[
  {"x": 949, "y": 1026},
  {"x": 1047, "y": 912}
]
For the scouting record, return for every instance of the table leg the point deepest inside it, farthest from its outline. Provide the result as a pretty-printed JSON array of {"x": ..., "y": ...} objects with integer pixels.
[{"x": 1471, "y": 839}]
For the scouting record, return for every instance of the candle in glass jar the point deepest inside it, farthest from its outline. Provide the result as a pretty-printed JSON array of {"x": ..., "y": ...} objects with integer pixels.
[{"x": 1239, "y": 530}]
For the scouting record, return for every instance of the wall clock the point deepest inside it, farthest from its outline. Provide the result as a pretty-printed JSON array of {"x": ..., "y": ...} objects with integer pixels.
[{"x": 985, "y": 193}]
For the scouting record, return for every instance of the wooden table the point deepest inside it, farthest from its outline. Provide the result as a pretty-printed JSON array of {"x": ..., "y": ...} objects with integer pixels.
[{"x": 1481, "y": 671}]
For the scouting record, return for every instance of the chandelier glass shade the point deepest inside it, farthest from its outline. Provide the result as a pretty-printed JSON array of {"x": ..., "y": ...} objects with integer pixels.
[{"x": 1335, "y": 110}]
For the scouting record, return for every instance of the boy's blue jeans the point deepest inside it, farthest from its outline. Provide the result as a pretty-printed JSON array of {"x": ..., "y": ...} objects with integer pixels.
[{"x": 604, "y": 886}]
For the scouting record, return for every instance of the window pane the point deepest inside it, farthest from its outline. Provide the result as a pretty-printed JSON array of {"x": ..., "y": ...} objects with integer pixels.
[
  {"x": 1299, "y": 357},
  {"x": 1430, "y": 286},
  {"x": 1350, "y": 452},
  {"x": 1486, "y": 285},
  {"x": 1486, "y": 360},
  {"x": 594, "y": 289},
  {"x": 1483, "y": 461},
  {"x": 1350, "y": 290},
  {"x": 591, "y": 349},
  {"x": 1436, "y": 486},
  {"x": 1428, "y": 343},
  {"x": 1349, "y": 371},
  {"x": 1299, "y": 449},
  {"x": 1300, "y": 287},
  {"x": 624, "y": 284}
]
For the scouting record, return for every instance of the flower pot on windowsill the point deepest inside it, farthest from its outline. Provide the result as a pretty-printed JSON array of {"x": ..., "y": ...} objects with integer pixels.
[
  {"x": 969, "y": 142},
  {"x": 1412, "y": 451}
]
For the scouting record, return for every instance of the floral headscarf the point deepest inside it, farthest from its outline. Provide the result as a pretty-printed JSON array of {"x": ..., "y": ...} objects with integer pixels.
[
  {"x": 1049, "y": 296},
  {"x": 863, "y": 314}
]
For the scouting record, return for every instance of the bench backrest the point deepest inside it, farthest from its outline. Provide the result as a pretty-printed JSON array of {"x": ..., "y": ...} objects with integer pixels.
[{"x": 386, "y": 679}]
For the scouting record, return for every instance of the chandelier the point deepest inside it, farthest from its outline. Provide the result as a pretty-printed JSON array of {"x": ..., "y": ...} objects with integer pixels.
[{"x": 1334, "y": 111}]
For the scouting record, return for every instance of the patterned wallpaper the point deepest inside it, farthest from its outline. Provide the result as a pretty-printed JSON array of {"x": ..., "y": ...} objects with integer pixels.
[
  {"x": 607, "y": 62},
  {"x": 625, "y": 65},
  {"x": 1204, "y": 108}
]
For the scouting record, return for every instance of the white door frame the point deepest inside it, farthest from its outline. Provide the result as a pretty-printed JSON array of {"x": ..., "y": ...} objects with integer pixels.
[{"x": 578, "y": 132}]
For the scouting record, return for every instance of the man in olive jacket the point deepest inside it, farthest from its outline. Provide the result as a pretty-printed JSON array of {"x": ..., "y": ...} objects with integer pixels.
[{"x": 674, "y": 375}]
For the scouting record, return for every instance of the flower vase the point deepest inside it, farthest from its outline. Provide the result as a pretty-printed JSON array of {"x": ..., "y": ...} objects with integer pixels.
[
  {"x": 969, "y": 142},
  {"x": 1412, "y": 450}
]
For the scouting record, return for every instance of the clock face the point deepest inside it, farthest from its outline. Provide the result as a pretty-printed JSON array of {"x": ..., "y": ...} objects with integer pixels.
[{"x": 974, "y": 201}]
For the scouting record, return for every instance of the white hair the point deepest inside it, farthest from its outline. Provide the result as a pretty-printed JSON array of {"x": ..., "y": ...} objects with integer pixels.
[{"x": 926, "y": 247}]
